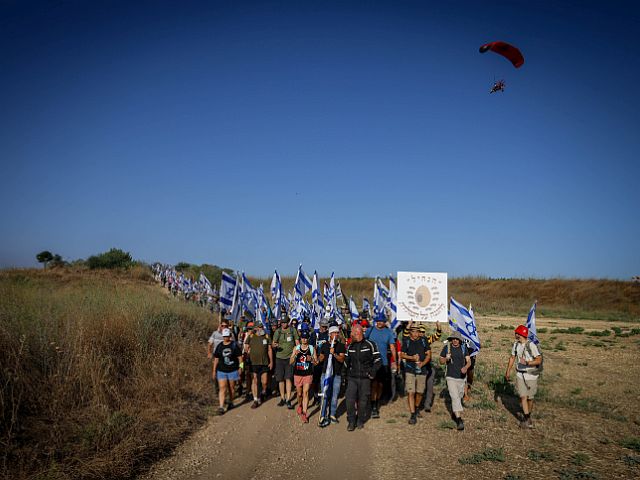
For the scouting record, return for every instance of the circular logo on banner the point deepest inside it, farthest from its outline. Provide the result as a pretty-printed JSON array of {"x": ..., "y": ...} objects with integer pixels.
[{"x": 424, "y": 299}]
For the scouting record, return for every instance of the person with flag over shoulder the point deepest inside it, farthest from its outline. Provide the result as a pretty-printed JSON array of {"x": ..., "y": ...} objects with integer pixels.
[
  {"x": 456, "y": 357},
  {"x": 362, "y": 363},
  {"x": 332, "y": 377},
  {"x": 528, "y": 365}
]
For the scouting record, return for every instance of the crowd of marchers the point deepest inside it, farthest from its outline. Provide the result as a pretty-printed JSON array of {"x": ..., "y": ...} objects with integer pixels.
[{"x": 363, "y": 360}]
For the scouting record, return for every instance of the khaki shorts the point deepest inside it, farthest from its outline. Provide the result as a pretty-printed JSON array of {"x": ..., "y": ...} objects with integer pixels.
[
  {"x": 526, "y": 388},
  {"x": 414, "y": 383}
]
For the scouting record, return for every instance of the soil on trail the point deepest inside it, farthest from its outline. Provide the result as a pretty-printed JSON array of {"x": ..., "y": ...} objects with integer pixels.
[{"x": 269, "y": 442}]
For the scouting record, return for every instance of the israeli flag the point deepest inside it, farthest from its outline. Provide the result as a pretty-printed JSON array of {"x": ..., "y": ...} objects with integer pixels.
[
  {"x": 249, "y": 297},
  {"x": 353, "y": 309},
  {"x": 393, "y": 299},
  {"x": 227, "y": 289},
  {"x": 275, "y": 282},
  {"x": 317, "y": 304},
  {"x": 328, "y": 379},
  {"x": 462, "y": 321},
  {"x": 366, "y": 306},
  {"x": 204, "y": 281},
  {"x": 303, "y": 282},
  {"x": 531, "y": 324}
]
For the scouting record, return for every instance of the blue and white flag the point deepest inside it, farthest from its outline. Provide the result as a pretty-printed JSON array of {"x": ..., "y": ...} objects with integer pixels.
[
  {"x": 353, "y": 309},
  {"x": 328, "y": 381},
  {"x": 393, "y": 299},
  {"x": 462, "y": 321},
  {"x": 339, "y": 293},
  {"x": 303, "y": 282},
  {"x": 263, "y": 308},
  {"x": 227, "y": 289},
  {"x": 332, "y": 293},
  {"x": 366, "y": 306},
  {"x": 249, "y": 296},
  {"x": 317, "y": 306},
  {"x": 275, "y": 282},
  {"x": 531, "y": 324},
  {"x": 206, "y": 284}
]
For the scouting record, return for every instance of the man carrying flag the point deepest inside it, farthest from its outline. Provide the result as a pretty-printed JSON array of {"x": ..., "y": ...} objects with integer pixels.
[
  {"x": 528, "y": 367},
  {"x": 331, "y": 357}
]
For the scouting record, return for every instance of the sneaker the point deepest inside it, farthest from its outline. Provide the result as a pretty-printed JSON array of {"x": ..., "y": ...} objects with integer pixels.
[
  {"x": 249, "y": 396},
  {"x": 324, "y": 423},
  {"x": 351, "y": 427},
  {"x": 229, "y": 406},
  {"x": 427, "y": 409},
  {"x": 333, "y": 419},
  {"x": 526, "y": 423},
  {"x": 360, "y": 426},
  {"x": 221, "y": 410},
  {"x": 304, "y": 418},
  {"x": 375, "y": 413},
  {"x": 412, "y": 419},
  {"x": 460, "y": 424},
  {"x": 289, "y": 406},
  {"x": 255, "y": 404},
  {"x": 299, "y": 410},
  {"x": 282, "y": 403}
]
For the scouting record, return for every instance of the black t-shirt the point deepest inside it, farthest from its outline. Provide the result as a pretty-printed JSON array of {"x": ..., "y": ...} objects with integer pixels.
[
  {"x": 338, "y": 348},
  {"x": 303, "y": 365},
  {"x": 228, "y": 357},
  {"x": 321, "y": 338},
  {"x": 457, "y": 360},
  {"x": 420, "y": 347}
]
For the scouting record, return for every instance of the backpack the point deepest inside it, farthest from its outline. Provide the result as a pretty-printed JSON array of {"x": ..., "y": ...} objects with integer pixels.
[
  {"x": 537, "y": 370},
  {"x": 465, "y": 350}
]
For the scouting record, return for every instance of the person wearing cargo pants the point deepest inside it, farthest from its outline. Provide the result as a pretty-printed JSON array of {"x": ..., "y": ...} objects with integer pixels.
[{"x": 362, "y": 362}]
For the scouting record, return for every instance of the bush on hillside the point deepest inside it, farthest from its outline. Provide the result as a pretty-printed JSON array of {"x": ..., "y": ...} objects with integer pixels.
[{"x": 114, "y": 258}]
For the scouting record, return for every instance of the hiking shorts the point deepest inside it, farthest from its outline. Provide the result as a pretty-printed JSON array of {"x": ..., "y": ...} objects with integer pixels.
[
  {"x": 414, "y": 383},
  {"x": 259, "y": 369},
  {"x": 300, "y": 380},
  {"x": 526, "y": 387},
  {"x": 284, "y": 370},
  {"x": 233, "y": 376}
]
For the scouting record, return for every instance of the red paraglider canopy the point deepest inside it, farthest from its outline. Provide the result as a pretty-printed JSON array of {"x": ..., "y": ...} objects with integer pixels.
[{"x": 508, "y": 51}]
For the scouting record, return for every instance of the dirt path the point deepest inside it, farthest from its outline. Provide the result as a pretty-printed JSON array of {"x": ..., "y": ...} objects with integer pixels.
[{"x": 267, "y": 443}]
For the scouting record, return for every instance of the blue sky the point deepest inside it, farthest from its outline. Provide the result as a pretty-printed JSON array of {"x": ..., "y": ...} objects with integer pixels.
[{"x": 355, "y": 137}]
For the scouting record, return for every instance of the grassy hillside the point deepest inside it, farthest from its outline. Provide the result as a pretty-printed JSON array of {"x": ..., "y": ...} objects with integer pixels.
[
  {"x": 580, "y": 299},
  {"x": 100, "y": 372}
]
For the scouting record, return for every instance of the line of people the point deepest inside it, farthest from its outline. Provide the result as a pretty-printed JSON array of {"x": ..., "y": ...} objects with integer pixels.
[{"x": 371, "y": 364}]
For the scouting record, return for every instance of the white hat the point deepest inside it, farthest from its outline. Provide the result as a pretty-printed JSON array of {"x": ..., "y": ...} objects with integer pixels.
[
  {"x": 226, "y": 332},
  {"x": 334, "y": 329}
]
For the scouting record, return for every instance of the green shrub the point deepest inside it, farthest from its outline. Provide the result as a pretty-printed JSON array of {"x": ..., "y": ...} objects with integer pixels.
[
  {"x": 114, "y": 258},
  {"x": 536, "y": 456},
  {"x": 487, "y": 455},
  {"x": 632, "y": 443},
  {"x": 570, "y": 330},
  {"x": 598, "y": 333}
]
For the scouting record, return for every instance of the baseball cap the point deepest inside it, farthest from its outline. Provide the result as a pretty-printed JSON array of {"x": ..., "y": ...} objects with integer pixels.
[
  {"x": 226, "y": 332},
  {"x": 304, "y": 334},
  {"x": 334, "y": 329}
]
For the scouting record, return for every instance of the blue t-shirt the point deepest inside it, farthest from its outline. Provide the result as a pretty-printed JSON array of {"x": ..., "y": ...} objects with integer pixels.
[{"x": 382, "y": 338}]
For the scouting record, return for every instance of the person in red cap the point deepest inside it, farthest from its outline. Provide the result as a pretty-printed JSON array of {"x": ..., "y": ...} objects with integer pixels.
[{"x": 528, "y": 359}]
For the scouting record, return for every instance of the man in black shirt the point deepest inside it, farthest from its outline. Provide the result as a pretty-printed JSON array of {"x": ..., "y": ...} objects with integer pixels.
[
  {"x": 362, "y": 362},
  {"x": 417, "y": 356}
]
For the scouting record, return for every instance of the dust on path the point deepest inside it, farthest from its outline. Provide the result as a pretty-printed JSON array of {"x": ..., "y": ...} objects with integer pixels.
[{"x": 269, "y": 442}]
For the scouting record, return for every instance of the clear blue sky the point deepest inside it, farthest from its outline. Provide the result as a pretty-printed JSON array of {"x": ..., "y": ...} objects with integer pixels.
[{"x": 355, "y": 137}]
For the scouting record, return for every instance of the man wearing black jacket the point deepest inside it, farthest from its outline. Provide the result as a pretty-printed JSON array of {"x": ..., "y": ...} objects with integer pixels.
[{"x": 362, "y": 363}]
